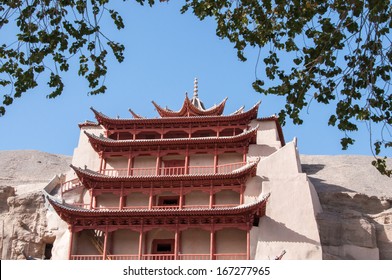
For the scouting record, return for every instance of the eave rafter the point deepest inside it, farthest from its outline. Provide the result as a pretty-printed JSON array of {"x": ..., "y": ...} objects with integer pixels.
[
  {"x": 103, "y": 144},
  {"x": 188, "y": 110},
  {"x": 80, "y": 217},
  {"x": 95, "y": 180},
  {"x": 237, "y": 118}
]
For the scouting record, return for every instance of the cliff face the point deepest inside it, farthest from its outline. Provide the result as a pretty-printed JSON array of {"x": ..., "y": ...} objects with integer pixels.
[
  {"x": 356, "y": 222},
  {"x": 24, "y": 230}
]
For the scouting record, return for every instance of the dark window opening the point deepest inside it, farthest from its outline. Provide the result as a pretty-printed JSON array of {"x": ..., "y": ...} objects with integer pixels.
[
  {"x": 256, "y": 221},
  {"x": 168, "y": 201},
  {"x": 164, "y": 248},
  {"x": 48, "y": 251}
]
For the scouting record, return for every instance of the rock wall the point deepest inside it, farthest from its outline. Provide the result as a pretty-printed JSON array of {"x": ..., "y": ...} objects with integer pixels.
[
  {"x": 356, "y": 222},
  {"x": 24, "y": 228}
]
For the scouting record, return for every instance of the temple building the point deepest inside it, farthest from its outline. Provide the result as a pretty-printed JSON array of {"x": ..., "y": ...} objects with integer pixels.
[{"x": 192, "y": 184}]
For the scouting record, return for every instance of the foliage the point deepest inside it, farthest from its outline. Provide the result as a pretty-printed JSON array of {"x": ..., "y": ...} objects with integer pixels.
[{"x": 340, "y": 51}]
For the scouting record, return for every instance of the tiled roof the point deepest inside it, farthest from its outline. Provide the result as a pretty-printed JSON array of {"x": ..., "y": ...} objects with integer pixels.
[
  {"x": 190, "y": 109},
  {"x": 171, "y": 141},
  {"x": 98, "y": 177},
  {"x": 237, "y": 116},
  {"x": 64, "y": 208}
]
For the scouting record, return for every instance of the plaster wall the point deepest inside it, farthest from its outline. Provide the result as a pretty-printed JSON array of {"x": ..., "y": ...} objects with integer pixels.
[
  {"x": 195, "y": 241},
  {"x": 225, "y": 197},
  {"x": 230, "y": 240},
  {"x": 156, "y": 234},
  {"x": 267, "y": 139},
  {"x": 116, "y": 162},
  {"x": 197, "y": 198},
  {"x": 173, "y": 157},
  {"x": 290, "y": 221},
  {"x": 86, "y": 197},
  {"x": 84, "y": 154},
  {"x": 200, "y": 160},
  {"x": 228, "y": 158},
  {"x": 108, "y": 200},
  {"x": 144, "y": 162},
  {"x": 124, "y": 242},
  {"x": 83, "y": 244},
  {"x": 136, "y": 199}
]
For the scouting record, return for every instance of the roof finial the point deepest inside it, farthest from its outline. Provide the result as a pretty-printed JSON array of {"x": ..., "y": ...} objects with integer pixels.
[{"x": 195, "y": 87}]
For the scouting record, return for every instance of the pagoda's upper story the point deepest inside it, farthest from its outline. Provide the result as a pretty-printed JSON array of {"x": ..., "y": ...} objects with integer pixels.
[
  {"x": 192, "y": 107},
  {"x": 192, "y": 114}
]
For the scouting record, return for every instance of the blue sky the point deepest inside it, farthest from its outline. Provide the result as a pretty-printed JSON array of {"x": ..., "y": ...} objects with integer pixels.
[{"x": 165, "y": 51}]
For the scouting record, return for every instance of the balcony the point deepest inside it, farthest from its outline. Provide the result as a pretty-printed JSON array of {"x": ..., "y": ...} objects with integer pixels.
[
  {"x": 181, "y": 170},
  {"x": 234, "y": 256},
  {"x": 162, "y": 171}
]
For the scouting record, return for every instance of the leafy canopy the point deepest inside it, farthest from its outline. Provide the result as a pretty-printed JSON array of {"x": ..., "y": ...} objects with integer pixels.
[{"x": 340, "y": 52}]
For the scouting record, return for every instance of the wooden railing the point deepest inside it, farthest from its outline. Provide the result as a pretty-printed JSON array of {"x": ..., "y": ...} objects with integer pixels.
[
  {"x": 70, "y": 185},
  {"x": 178, "y": 170},
  {"x": 227, "y": 256},
  {"x": 152, "y": 171}
]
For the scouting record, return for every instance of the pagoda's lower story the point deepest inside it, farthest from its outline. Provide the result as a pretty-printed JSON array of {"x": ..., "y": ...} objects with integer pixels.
[{"x": 192, "y": 184}]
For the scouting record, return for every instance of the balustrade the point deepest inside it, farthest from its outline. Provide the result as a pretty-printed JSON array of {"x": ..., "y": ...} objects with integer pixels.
[{"x": 227, "y": 256}]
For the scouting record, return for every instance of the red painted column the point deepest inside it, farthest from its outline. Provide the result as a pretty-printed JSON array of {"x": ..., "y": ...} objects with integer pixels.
[
  {"x": 140, "y": 243},
  {"x": 244, "y": 156},
  {"x": 71, "y": 237},
  {"x": 94, "y": 201},
  {"x": 181, "y": 199},
  {"x": 129, "y": 165},
  {"x": 242, "y": 194},
  {"x": 248, "y": 242},
  {"x": 91, "y": 198},
  {"x": 121, "y": 202},
  {"x": 212, "y": 243},
  {"x": 105, "y": 243},
  {"x": 215, "y": 161},
  {"x": 101, "y": 163},
  {"x": 211, "y": 204},
  {"x": 150, "y": 199},
  {"x": 176, "y": 243},
  {"x": 158, "y": 165},
  {"x": 186, "y": 171}
]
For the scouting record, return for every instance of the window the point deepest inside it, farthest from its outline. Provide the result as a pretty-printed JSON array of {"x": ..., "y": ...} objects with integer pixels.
[
  {"x": 163, "y": 247},
  {"x": 168, "y": 200}
]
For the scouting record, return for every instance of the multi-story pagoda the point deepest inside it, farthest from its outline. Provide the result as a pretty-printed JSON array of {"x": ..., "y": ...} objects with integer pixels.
[{"x": 186, "y": 185}]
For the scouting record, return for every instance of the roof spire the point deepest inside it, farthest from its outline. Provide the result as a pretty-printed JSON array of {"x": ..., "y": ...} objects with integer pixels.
[{"x": 195, "y": 88}]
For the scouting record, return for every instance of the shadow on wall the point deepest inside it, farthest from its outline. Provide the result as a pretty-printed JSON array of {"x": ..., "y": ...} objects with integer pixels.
[
  {"x": 283, "y": 234},
  {"x": 319, "y": 184},
  {"x": 262, "y": 150}
]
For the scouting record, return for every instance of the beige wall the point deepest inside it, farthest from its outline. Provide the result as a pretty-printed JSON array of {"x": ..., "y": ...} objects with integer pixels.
[
  {"x": 84, "y": 245},
  {"x": 108, "y": 200},
  {"x": 197, "y": 198},
  {"x": 230, "y": 240},
  {"x": 137, "y": 199},
  {"x": 229, "y": 158},
  {"x": 157, "y": 234},
  {"x": 201, "y": 160},
  {"x": 116, "y": 162},
  {"x": 227, "y": 197},
  {"x": 195, "y": 241},
  {"x": 267, "y": 141},
  {"x": 290, "y": 221},
  {"x": 124, "y": 242},
  {"x": 144, "y": 162},
  {"x": 84, "y": 154}
]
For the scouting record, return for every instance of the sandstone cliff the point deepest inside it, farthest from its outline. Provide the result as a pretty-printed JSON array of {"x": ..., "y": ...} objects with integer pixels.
[
  {"x": 356, "y": 221},
  {"x": 24, "y": 227}
]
